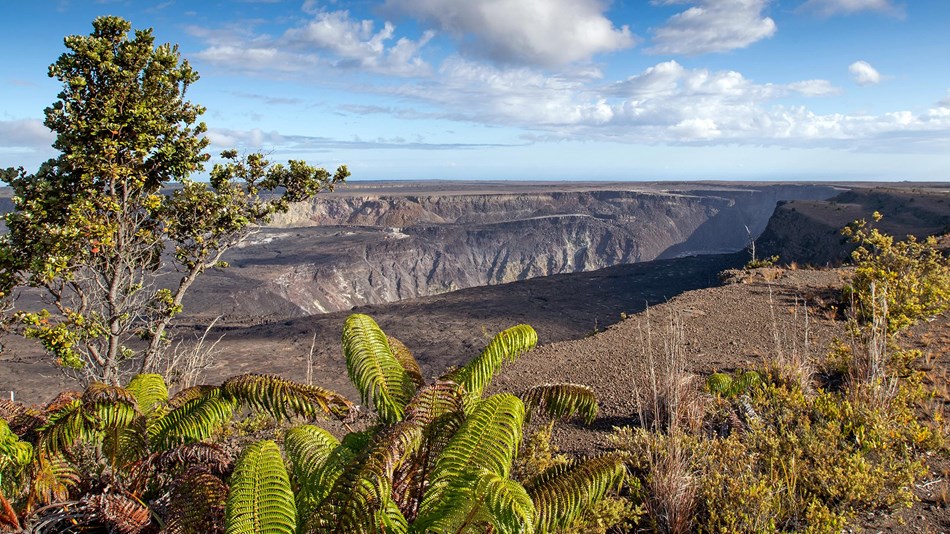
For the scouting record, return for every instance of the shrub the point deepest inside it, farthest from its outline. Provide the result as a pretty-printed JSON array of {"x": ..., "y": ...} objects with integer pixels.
[{"x": 912, "y": 276}]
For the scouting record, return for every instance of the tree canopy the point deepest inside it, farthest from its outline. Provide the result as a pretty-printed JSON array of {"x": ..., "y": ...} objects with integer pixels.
[{"x": 100, "y": 226}]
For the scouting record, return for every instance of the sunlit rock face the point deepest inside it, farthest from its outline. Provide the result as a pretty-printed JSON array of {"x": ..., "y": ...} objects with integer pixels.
[{"x": 347, "y": 249}]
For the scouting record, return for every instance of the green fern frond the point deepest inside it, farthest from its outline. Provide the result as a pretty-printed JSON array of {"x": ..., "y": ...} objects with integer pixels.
[
  {"x": 13, "y": 452},
  {"x": 508, "y": 505},
  {"x": 561, "y": 401},
  {"x": 360, "y": 498},
  {"x": 112, "y": 406},
  {"x": 194, "y": 420},
  {"x": 504, "y": 347},
  {"x": 190, "y": 394},
  {"x": 307, "y": 448},
  {"x": 65, "y": 427},
  {"x": 719, "y": 384},
  {"x": 487, "y": 441},
  {"x": 563, "y": 493},
  {"x": 125, "y": 445},
  {"x": 197, "y": 503},
  {"x": 150, "y": 392},
  {"x": 408, "y": 362},
  {"x": 325, "y": 476},
  {"x": 434, "y": 401},
  {"x": 374, "y": 370},
  {"x": 284, "y": 398},
  {"x": 261, "y": 499},
  {"x": 747, "y": 381}
]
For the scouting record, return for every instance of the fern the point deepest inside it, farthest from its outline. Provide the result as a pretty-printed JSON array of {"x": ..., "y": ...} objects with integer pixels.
[
  {"x": 194, "y": 420},
  {"x": 725, "y": 385},
  {"x": 374, "y": 370},
  {"x": 360, "y": 500},
  {"x": 487, "y": 441},
  {"x": 261, "y": 499},
  {"x": 504, "y": 347},
  {"x": 408, "y": 362},
  {"x": 65, "y": 427},
  {"x": 560, "y": 401},
  {"x": 196, "y": 504},
  {"x": 150, "y": 392},
  {"x": 190, "y": 394},
  {"x": 509, "y": 508},
  {"x": 563, "y": 492},
  {"x": 52, "y": 478},
  {"x": 111, "y": 407},
  {"x": 284, "y": 398},
  {"x": 308, "y": 447},
  {"x": 119, "y": 513}
]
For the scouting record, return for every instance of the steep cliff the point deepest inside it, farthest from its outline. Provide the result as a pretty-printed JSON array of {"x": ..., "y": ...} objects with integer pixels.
[{"x": 344, "y": 250}]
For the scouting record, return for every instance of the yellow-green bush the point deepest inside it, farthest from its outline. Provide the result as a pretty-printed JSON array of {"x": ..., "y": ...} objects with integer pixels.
[{"x": 912, "y": 274}]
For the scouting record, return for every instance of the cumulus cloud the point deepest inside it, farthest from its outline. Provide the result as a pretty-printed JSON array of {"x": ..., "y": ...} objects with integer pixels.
[
  {"x": 329, "y": 39},
  {"x": 864, "y": 74},
  {"x": 828, "y": 8},
  {"x": 665, "y": 103},
  {"x": 540, "y": 33},
  {"x": 713, "y": 26}
]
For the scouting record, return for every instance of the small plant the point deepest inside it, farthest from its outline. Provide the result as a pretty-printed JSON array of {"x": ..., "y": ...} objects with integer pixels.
[{"x": 758, "y": 263}]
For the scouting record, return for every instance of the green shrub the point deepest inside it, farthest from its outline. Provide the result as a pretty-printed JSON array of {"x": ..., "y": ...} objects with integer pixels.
[{"x": 912, "y": 275}]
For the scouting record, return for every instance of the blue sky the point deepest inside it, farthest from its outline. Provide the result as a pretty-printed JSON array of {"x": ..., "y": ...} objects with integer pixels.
[{"x": 536, "y": 89}]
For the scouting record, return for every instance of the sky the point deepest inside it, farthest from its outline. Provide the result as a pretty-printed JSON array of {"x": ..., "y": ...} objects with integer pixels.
[{"x": 535, "y": 89}]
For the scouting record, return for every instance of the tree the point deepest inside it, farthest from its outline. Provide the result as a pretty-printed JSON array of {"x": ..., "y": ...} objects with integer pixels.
[{"x": 114, "y": 229}]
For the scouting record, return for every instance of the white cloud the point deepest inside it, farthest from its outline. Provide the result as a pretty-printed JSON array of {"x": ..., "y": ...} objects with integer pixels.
[
  {"x": 828, "y": 8},
  {"x": 864, "y": 74},
  {"x": 541, "y": 33},
  {"x": 329, "y": 39},
  {"x": 814, "y": 88},
  {"x": 665, "y": 103},
  {"x": 713, "y": 26},
  {"x": 25, "y": 142}
]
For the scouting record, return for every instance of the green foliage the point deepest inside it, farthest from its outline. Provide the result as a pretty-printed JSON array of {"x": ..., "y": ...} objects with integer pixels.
[
  {"x": 150, "y": 392},
  {"x": 758, "y": 263},
  {"x": 561, "y": 401},
  {"x": 283, "y": 398},
  {"x": 913, "y": 276},
  {"x": 90, "y": 226},
  {"x": 373, "y": 368},
  {"x": 506, "y": 346},
  {"x": 565, "y": 492},
  {"x": 260, "y": 499},
  {"x": 196, "y": 504},
  {"x": 725, "y": 385}
]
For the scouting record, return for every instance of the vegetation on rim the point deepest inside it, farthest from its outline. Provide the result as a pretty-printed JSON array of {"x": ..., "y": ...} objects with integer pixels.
[{"x": 97, "y": 227}]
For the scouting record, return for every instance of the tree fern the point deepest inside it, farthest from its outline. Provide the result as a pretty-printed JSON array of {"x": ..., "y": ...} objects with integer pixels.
[
  {"x": 52, "y": 478},
  {"x": 562, "y": 493},
  {"x": 373, "y": 369},
  {"x": 150, "y": 392},
  {"x": 307, "y": 448},
  {"x": 509, "y": 508},
  {"x": 66, "y": 426},
  {"x": 284, "y": 398},
  {"x": 194, "y": 420},
  {"x": 487, "y": 441},
  {"x": 111, "y": 406},
  {"x": 560, "y": 401},
  {"x": 504, "y": 347},
  {"x": 260, "y": 500},
  {"x": 196, "y": 504},
  {"x": 360, "y": 500},
  {"x": 408, "y": 362}
]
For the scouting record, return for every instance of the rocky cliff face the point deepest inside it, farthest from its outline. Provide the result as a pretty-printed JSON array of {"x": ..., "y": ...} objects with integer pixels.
[{"x": 343, "y": 250}]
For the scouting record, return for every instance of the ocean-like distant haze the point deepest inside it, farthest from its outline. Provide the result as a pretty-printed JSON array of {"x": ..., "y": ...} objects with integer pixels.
[{"x": 536, "y": 89}]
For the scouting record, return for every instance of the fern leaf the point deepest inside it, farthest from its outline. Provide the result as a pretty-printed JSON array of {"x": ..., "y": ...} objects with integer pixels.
[
  {"x": 52, "y": 478},
  {"x": 284, "y": 398},
  {"x": 112, "y": 406},
  {"x": 308, "y": 447},
  {"x": 487, "y": 441},
  {"x": 747, "y": 381},
  {"x": 13, "y": 451},
  {"x": 194, "y": 420},
  {"x": 563, "y": 493},
  {"x": 190, "y": 394},
  {"x": 119, "y": 513},
  {"x": 408, "y": 362},
  {"x": 197, "y": 504},
  {"x": 150, "y": 392},
  {"x": 360, "y": 498},
  {"x": 561, "y": 401},
  {"x": 719, "y": 384},
  {"x": 65, "y": 427},
  {"x": 374, "y": 370},
  {"x": 261, "y": 499},
  {"x": 510, "y": 509},
  {"x": 504, "y": 347}
]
